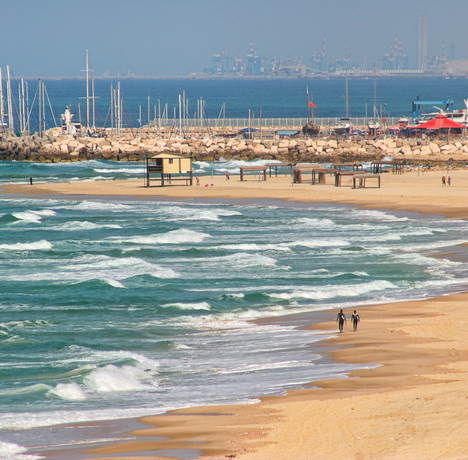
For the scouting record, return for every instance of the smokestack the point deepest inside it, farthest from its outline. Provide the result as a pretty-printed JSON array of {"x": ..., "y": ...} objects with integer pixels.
[{"x": 422, "y": 43}]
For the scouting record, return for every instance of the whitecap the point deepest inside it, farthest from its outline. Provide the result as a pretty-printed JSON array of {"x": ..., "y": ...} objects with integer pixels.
[
  {"x": 330, "y": 292},
  {"x": 84, "y": 225},
  {"x": 321, "y": 243},
  {"x": 42, "y": 245},
  {"x": 115, "y": 283},
  {"x": 253, "y": 247},
  {"x": 188, "y": 306},
  {"x": 69, "y": 392},
  {"x": 112, "y": 378},
  {"x": 11, "y": 451},
  {"x": 181, "y": 236},
  {"x": 27, "y": 216}
]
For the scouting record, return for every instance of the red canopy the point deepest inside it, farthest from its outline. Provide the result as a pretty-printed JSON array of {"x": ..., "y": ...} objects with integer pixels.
[{"x": 441, "y": 122}]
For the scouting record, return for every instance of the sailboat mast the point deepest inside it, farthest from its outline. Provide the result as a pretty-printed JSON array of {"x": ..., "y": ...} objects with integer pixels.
[
  {"x": 347, "y": 102},
  {"x": 87, "y": 91},
  {"x": 2, "y": 106},
  {"x": 375, "y": 93},
  {"x": 40, "y": 107},
  {"x": 20, "y": 106},
  {"x": 94, "y": 108},
  {"x": 308, "y": 105},
  {"x": 9, "y": 102}
]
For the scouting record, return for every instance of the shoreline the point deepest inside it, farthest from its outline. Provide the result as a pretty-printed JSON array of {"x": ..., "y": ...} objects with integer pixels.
[
  {"x": 411, "y": 406},
  {"x": 410, "y": 192}
]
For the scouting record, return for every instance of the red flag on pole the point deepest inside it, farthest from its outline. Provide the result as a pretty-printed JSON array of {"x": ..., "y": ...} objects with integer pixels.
[{"x": 311, "y": 104}]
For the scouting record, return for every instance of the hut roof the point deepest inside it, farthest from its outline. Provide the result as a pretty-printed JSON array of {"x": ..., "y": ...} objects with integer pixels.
[
  {"x": 168, "y": 155},
  {"x": 440, "y": 122}
]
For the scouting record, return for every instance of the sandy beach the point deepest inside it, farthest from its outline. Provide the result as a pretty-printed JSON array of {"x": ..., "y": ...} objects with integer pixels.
[{"x": 412, "y": 406}]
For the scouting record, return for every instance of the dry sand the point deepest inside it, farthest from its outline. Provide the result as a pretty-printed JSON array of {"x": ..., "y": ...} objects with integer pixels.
[{"x": 413, "y": 406}]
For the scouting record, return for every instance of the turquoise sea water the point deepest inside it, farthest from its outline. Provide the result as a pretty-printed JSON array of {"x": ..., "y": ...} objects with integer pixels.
[{"x": 115, "y": 308}]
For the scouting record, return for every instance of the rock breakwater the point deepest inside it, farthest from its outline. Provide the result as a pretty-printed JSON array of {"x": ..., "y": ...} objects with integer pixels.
[{"x": 53, "y": 147}]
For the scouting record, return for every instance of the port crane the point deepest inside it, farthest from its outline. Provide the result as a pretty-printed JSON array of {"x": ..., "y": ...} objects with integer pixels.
[{"x": 418, "y": 103}]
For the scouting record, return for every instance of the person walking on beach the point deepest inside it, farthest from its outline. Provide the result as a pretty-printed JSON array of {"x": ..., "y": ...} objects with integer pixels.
[
  {"x": 443, "y": 180},
  {"x": 227, "y": 175},
  {"x": 341, "y": 320},
  {"x": 30, "y": 180},
  {"x": 449, "y": 180},
  {"x": 355, "y": 320}
]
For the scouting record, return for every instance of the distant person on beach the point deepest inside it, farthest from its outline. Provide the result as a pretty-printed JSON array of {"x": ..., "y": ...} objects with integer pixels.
[
  {"x": 449, "y": 180},
  {"x": 30, "y": 180},
  {"x": 341, "y": 320},
  {"x": 355, "y": 320},
  {"x": 198, "y": 182},
  {"x": 443, "y": 180},
  {"x": 227, "y": 175}
]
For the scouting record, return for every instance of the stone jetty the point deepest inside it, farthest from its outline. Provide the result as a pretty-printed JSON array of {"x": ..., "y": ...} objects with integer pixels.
[{"x": 52, "y": 147}]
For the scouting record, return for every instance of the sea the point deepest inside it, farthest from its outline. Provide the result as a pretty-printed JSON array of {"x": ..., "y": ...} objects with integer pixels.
[
  {"x": 149, "y": 99},
  {"x": 114, "y": 308}
]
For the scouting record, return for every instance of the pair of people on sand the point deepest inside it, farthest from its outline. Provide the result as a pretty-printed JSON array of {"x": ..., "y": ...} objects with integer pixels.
[{"x": 341, "y": 320}]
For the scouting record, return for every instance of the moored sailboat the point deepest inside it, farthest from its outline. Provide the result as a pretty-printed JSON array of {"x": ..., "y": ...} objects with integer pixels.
[
  {"x": 310, "y": 129},
  {"x": 374, "y": 123},
  {"x": 345, "y": 125}
]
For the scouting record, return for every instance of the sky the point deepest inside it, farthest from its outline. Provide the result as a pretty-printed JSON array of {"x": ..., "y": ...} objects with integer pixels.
[{"x": 45, "y": 38}]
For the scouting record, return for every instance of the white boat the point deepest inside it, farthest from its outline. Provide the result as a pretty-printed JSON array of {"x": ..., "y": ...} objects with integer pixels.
[
  {"x": 374, "y": 123},
  {"x": 459, "y": 116},
  {"x": 374, "y": 126},
  {"x": 344, "y": 126}
]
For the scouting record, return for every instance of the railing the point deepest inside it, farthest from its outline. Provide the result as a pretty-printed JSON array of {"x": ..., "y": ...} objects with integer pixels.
[{"x": 239, "y": 123}]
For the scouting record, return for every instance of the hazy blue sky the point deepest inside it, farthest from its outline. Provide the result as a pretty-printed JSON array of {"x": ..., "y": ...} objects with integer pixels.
[{"x": 174, "y": 37}]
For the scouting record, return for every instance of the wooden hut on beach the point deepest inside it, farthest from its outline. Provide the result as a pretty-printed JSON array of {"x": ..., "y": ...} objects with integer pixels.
[{"x": 168, "y": 167}]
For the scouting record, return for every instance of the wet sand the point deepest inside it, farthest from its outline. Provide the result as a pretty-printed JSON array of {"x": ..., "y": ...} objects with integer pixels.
[{"x": 413, "y": 406}]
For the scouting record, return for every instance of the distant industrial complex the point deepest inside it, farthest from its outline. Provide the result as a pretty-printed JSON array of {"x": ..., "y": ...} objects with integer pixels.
[{"x": 319, "y": 64}]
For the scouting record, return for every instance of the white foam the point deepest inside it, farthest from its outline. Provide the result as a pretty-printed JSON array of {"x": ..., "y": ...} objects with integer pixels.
[
  {"x": 235, "y": 296},
  {"x": 69, "y": 392},
  {"x": 91, "y": 267},
  {"x": 262, "y": 367},
  {"x": 100, "y": 206},
  {"x": 330, "y": 292},
  {"x": 201, "y": 213},
  {"x": 368, "y": 214},
  {"x": 84, "y": 225},
  {"x": 315, "y": 223},
  {"x": 253, "y": 247},
  {"x": 42, "y": 245},
  {"x": 139, "y": 170},
  {"x": 241, "y": 260},
  {"x": 181, "y": 236},
  {"x": 321, "y": 243},
  {"x": 11, "y": 451},
  {"x": 115, "y": 283},
  {"x": 112, "y": 378},
  {"x": 27, "y": 216},
  {"x": 188, "y": 306}
]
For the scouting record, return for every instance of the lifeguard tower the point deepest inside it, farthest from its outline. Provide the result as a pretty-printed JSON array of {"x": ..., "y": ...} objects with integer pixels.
[{"x": 169, "y": 167}]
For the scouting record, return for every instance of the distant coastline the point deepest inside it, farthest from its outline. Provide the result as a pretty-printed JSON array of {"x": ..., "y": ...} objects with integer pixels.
[{"x": 242, "y": 77}]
